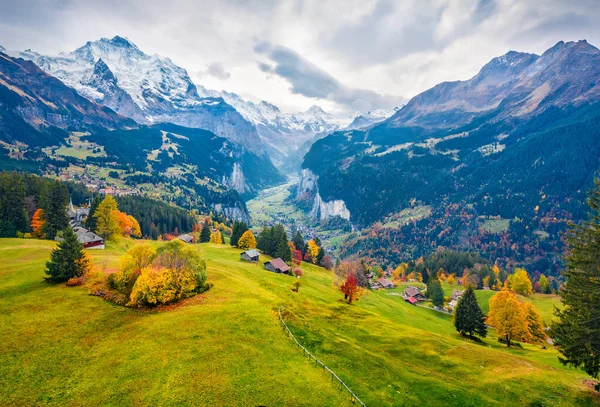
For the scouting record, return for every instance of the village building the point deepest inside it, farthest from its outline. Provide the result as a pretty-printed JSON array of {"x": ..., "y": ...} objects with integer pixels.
[
  {"x": 411, "y": 300},
  {"x": 457, "y": 294},
  {"x": 452, "y": 305},
  {"x": 186, "y": 238},
  {"x": 277, "y": 266},
  {"x": 89, "y": 239},
  {"x": 250, "y": 255},
  {"x": 414, "y": 292},
  {"x": 385, "y": 283}
]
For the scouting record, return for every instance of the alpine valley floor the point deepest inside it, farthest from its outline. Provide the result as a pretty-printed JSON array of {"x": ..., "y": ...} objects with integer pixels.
[{"x": 63, "y": 347}]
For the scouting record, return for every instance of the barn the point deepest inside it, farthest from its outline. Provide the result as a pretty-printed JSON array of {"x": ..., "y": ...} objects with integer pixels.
[
  {"x": 250, "y": 255},
  {"x": 277, "y": 266}
]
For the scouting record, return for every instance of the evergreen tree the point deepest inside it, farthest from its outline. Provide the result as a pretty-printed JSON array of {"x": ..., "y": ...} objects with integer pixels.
[
  {"x": 577, "y": 333},
  {"x": 53, "y": 201},
  {"x": 13, "y": 216},
  {"x": 238, "y": 230},
  {"x": 298, "y": 241},
  {"x": 435, "y": 292},
  {"x": 91, "y": 222},
  {"x": 281, "y": 243},
  {"x": 205, "y": 233},
  {"x": 468, "y": 317},
  {"x": 320, "y": 255},
  {"x": 222, "y": 238},
  {"x": 68, "y": 260}
]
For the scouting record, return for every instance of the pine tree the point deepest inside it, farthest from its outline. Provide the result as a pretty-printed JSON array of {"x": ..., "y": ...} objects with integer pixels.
[
  {"x": 205, "y": 233},
  {"x": 54, "y": 199},
  {"x": 68, "y": 260},
  {"x": 298, "y": 241},
  {"x": 13, "y": 216},
  {"x": 222, "y": 238},
  {"x": 90, "y": 222},
  {"x": 577, "y": 333},
  {"x": 435, "y": 292},
  {"x": 468, "y": 317},
  {"x": 281, "y": 243},
  {"x": 238, "y": 230}
]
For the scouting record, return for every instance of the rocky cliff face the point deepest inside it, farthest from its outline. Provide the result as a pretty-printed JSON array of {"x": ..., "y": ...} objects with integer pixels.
[{"x": 308, "y": 188}]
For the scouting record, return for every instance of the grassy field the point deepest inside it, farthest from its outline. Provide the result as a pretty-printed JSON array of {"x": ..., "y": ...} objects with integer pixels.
[{"x": 62, "y": 346}]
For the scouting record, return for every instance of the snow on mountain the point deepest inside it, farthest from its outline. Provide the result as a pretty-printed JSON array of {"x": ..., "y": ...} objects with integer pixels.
[
  {"x": 365, "y": 119},
  {"x": 283, "y": 132},
  {"x": 147, "y": 88}
]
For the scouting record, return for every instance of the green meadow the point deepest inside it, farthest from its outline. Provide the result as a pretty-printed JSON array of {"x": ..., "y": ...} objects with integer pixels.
[{"x": 62, "y": 346}]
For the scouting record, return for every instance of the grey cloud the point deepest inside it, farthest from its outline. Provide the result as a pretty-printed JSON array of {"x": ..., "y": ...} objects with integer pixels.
[
  {"x": 217, "y": 70},
  {"x": 309, "y": 80}
]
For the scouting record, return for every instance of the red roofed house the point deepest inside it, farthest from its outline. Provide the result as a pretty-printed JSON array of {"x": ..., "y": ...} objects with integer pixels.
[
  {"x": 411, "y": 300},
  {"x": 277, "y": 266}
]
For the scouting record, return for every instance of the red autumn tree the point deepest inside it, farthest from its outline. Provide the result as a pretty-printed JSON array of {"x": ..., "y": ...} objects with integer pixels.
[
  {"x": 350, "y": 288},
  {"x": 296, "y": 257}
]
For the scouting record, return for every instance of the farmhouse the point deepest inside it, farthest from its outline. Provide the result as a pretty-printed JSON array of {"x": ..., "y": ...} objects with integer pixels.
[
  {"x": 186, "y": 238},
  {"x": 411, "y": 300},
  {"x": 413, "y": 292},
  {"x": 385, "y": 283},
  {"x": 250, "y": 255},
  {"x": 89, "y": 239},
  {"x": 457, "y": 294},
  {"x": 277, "y": 266}
]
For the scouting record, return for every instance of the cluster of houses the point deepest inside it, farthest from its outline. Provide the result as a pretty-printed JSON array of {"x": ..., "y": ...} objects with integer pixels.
[
  {"x": 382, "y": 282},
  {"x": 456, "y": 296}
]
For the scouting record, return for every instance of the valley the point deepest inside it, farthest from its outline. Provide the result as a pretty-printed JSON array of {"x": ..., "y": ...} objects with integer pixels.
[{"x": 194, "y": 198}]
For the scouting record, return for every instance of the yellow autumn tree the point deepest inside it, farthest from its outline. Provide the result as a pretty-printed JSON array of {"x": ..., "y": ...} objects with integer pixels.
[
  {"x": 399, "y": 272},
  {"x": 498, "y": 285},
  {"x": 37, "y": 224},
  {"x": 451, "y": 279},
  {"x": 441, "y": 274},
  {"x": 535, "y": 325},
  {"x": 313, "y": 250},
  {"x": 215, "y": 237},
  {"x": 107, "y": 224},
  {"x": 247, "y": 240},
  {"x": 520, "y": 283},
  {"x": 508, "y": 316}
]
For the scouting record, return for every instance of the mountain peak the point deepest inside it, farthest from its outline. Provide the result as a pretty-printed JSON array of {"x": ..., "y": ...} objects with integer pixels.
[
  {"x": 2, "y": 49},
  {"x": 314, "y": 109}
]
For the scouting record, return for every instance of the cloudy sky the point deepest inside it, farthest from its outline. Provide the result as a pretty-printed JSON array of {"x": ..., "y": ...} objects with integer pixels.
[{"x": 342, "y": 55}]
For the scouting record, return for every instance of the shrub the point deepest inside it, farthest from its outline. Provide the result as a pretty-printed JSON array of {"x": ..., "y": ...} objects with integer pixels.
[
  {"x": 174, "y": 272},
  {"x": 74, "y": 282},
  {"x": 20, "y": 235},
  {"x": 136, "y": 258},
  {"x": 297, "y": 271},
  {"x": 159, "y": 285},
  {"x": 296, "y": 286}
]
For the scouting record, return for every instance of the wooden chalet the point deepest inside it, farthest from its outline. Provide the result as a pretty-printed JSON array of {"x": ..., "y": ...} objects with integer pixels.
[
  {"x": 250, "y": 255},
  {"x": 277, "y": 266}
]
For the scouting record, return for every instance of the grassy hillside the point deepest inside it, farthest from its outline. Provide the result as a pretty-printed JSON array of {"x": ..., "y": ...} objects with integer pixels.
[{"x": 225, "y": 347}]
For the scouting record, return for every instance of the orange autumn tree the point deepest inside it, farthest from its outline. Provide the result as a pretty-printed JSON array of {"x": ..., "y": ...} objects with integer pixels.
[
  {"x": 128, "y": 225},
  {"x": 38, "y": 224}
]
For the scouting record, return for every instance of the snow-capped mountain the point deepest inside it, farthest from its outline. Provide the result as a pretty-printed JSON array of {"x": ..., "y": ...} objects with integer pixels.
[
  {"x": 283, "y": 132},
  {"x": 147, "y": 88},
  {"x": 360, "y": 120}
]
